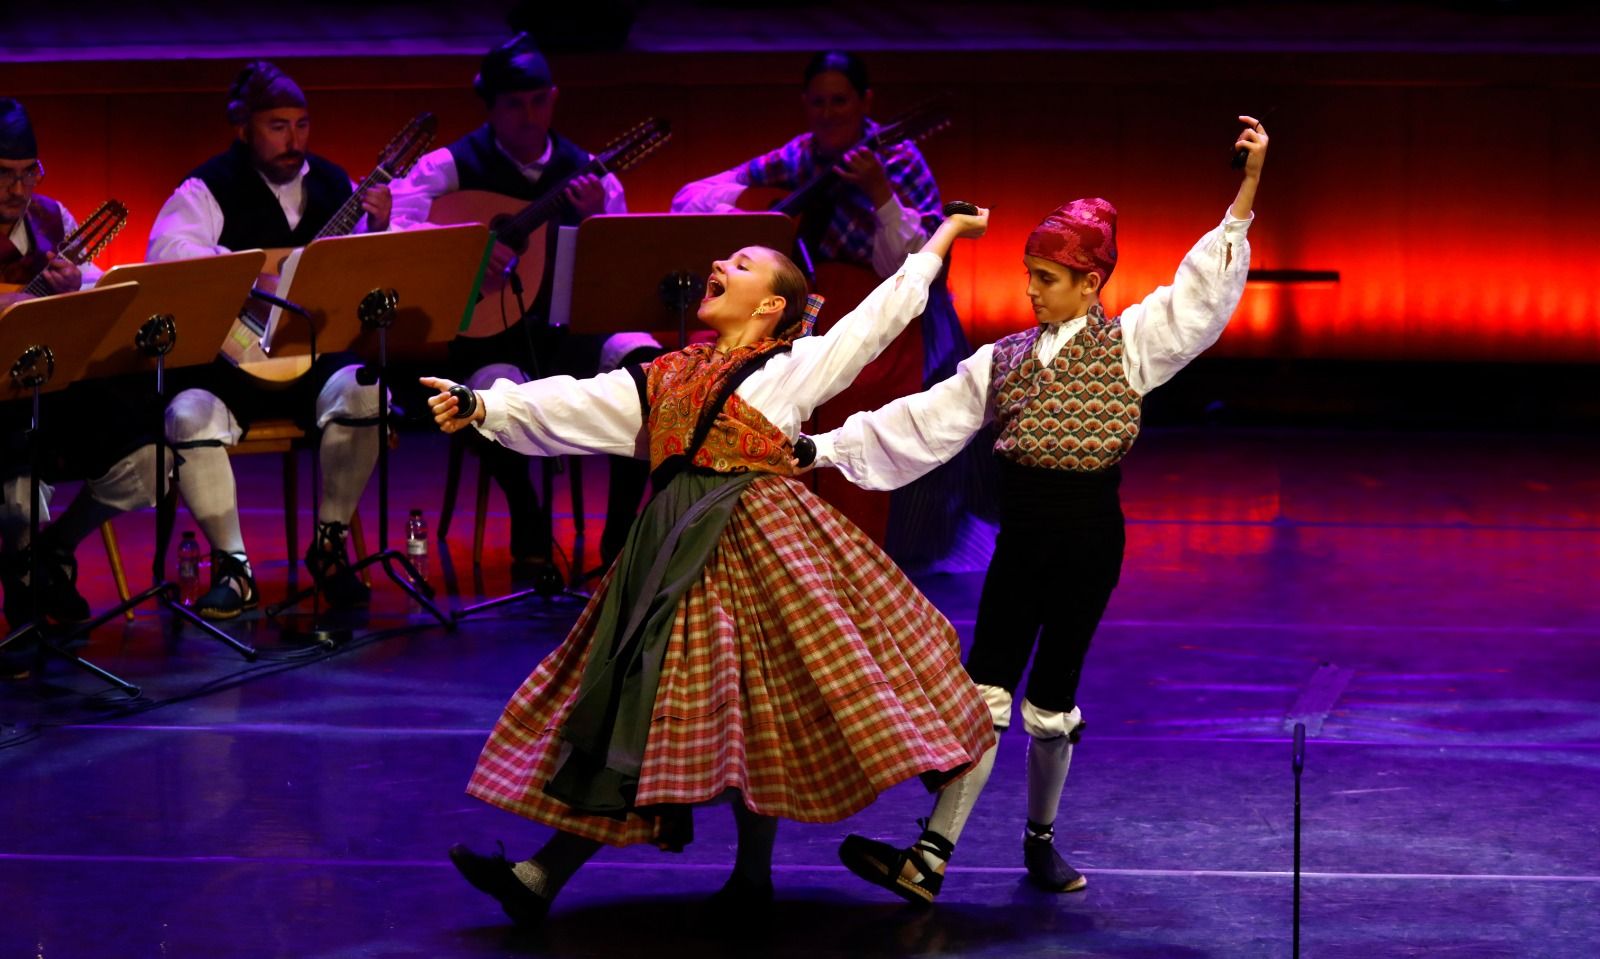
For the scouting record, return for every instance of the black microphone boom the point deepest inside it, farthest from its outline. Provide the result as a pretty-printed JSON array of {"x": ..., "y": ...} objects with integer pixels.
[{"x": 278, "y": 301}]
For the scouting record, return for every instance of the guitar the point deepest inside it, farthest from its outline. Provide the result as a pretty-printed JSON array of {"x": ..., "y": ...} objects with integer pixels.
[
  {"x": 918, "y": 123},
  {"x": 81, "y": 246},
  {"x": 243, "y": 344},
  {"x": 522, "y": 226}
]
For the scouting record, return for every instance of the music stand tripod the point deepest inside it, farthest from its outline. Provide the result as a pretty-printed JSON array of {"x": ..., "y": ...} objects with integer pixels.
[
  {"x": 155, "y": 339},
  {"x": 33, "y": 370},
  {"x": 377, "y": 313}
]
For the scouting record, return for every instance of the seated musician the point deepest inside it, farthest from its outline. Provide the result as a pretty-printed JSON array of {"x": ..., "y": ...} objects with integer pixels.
[
  {"x": 266, "y": 190},
  {"x": 103, "y": 444},
  {"x": 884, "y": 206},
  {"x": 518, "y": 154}
]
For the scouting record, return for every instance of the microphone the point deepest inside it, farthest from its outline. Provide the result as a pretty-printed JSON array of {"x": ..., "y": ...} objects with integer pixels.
[
  {"x": 959, "y": 206},
  {"x": 512, "y": 277},
  {"x": 279, "y": 302},
  {"x": 1299, "y": 747}
]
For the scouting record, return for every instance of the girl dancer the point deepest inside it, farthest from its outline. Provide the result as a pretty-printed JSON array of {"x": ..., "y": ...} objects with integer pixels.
[{"x": 749, "y": 641}]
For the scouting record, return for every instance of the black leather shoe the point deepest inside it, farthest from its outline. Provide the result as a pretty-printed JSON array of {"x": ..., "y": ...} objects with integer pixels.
[
  {"x": 1046, "y": 868},
  {"x": 233, "y": 590},
  {"x": 493, "y": 875},
  {"x": 741, "y": 909},
  {"x": 740, "y": 896},
  {"x": 62, "y": 601},
  {"x": 330, "y": 567}
]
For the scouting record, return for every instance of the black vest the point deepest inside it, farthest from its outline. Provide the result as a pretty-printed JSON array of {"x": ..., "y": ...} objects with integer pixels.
[
  {"x": 480, "y": 165},
  {"x": 251, "y": 216}
]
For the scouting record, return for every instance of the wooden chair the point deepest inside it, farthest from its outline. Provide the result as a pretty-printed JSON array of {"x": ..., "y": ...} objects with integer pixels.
[
  {"x": 452, "y": 486},
  {"x": 286, "y": 439},
  {"x": 114, "y": 558}
]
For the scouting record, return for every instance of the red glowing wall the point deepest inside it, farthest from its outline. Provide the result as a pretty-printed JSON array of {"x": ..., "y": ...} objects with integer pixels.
[{"x": 1455, "y": 196}]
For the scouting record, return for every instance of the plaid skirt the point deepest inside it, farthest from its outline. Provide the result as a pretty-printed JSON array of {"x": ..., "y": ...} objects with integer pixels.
[{"x": 803, "y": 670}]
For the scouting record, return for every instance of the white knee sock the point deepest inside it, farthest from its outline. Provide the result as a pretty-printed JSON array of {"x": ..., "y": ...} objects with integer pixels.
[
  {"x": 954, "y": 805},
  {"x": 348, "y": 455},
  {"x": 1048, "y": 762},
  {"x": 206, "y": 481}
]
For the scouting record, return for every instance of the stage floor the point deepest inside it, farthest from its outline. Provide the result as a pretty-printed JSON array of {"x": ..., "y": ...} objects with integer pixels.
[{"x": 1425, "y": 603}]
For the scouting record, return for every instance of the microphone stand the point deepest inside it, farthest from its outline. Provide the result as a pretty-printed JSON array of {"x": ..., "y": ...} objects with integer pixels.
[
  {"x": 377, "y": 311},
  {"x": 1299, "y": 763}
]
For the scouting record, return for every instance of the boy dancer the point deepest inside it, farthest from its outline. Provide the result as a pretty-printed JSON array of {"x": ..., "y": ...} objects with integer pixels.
[{"x": 1066, "y": 396}]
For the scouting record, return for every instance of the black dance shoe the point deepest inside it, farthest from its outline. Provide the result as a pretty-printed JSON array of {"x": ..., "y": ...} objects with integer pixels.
[
  {"x": 492, "y": 875},
  {"x": 233, "y": 590},
  {"x": 330, "y": 567},
  {"x": 883, "y": 865},
  {"x": 62, "y": 601},
  {"x": 14, "y": 581},
  {"x": 1046, "y": 868}
]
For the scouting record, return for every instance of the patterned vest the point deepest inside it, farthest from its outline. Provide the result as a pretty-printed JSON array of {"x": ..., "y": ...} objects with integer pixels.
[
  {"x": 1076, "y": 413},
  {"x": 678, "y": 387},
  {"x": 46, "y": 229}
]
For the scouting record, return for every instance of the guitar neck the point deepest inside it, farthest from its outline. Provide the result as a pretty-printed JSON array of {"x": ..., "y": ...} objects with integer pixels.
[
  {"x": 541, "y": 211},
  {"x": 344, "y": 220},
  {"x": 795, "y": 203},
  {"x": 40, "y": 285}
]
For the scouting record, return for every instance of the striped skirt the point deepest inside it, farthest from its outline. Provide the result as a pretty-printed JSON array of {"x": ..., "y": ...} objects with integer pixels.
[{"x": 803, "y": 670}]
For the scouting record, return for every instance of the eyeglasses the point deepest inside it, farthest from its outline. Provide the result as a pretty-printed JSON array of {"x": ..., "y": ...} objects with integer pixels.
[{"x": 28, "y": 176}]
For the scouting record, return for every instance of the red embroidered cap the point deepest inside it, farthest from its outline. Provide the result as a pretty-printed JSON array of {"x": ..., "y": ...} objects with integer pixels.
[{"x": 1081, "y": 235}]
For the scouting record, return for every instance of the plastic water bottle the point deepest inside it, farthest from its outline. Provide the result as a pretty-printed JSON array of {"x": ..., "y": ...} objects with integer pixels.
[
  {"x": 189, "y": 568},
  {"x": 417, "y": 542}
]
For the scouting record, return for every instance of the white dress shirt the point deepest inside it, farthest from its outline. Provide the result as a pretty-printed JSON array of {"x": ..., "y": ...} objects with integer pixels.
[
  {"x": 561, "y": 415},
  {"x": 895, "y": 444}
]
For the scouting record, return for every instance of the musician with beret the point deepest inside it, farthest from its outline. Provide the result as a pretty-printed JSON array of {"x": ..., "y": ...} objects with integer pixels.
[
  {"x": 102, "y": 444},
  {"x": 883, "y": 206},
  {"x": 267, "y": 190},
  {"x": 517, "y": 154}
]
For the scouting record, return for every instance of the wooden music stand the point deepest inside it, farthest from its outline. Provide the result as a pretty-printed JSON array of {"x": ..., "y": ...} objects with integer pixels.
[
  {"x": 201, "y": 295},
  {"x": 182, "y": 310},
  {"x": 434, "y": 271},
  {"x": 643, "y": 271},
  {"x": 45, "y": 344},
  {"x": 408, "y": 291}
]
